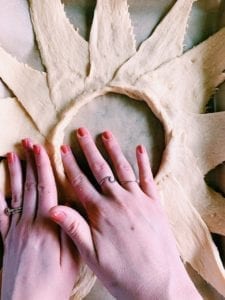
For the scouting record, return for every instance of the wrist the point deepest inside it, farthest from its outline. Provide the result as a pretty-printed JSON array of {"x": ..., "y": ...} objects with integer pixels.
[
  {"x": 11, "y": 295},
  {"x": 177, "y": 286},
  {"x": 28, "y": 292}
]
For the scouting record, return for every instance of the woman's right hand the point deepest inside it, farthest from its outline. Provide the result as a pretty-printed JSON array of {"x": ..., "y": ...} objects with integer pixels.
[{"x": 126, "y": 239}]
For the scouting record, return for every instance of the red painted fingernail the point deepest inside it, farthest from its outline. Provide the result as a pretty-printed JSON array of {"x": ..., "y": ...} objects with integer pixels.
[
  {"x": 58, "y": 216},
  {"x": 65, "y": 149},
  {"x": 82, "y": 132},
  {"x": 107, "y": 135},
  {"x": 141, "y": 149},
  {"x": 10, "y": 157},
  {"x": 26, "y": 143},
  {"x": 37, "y": 149}
]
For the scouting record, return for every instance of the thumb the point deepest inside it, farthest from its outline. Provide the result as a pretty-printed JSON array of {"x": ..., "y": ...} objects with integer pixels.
[{"x": 77, "y": 228}]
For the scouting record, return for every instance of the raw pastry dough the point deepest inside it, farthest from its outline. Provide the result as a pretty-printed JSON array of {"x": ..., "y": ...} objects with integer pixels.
[
  {"x": 176, "y": 87},
  {"x": 19, "y": 125}
]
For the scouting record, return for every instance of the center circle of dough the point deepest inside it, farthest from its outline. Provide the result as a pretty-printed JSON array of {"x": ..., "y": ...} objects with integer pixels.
[{"x": 131, "y": 121}]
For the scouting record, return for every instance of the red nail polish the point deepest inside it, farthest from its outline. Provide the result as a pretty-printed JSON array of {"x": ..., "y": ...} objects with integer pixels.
[
  {"x": 37, "y": 149},
  {"x": 65, "y": 149},
  {"x": 26, "y": 143},
  {"x": 82, "y": 132},
  {"x": 141, "y": 149},
  {"x": 107, "y": 135},
  {"x": 10, "y": 157},
  {"x": 58, "y": 216}
]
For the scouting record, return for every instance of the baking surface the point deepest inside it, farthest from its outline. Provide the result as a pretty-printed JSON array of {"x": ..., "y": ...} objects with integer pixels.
[{"x": 131, "y": 121}]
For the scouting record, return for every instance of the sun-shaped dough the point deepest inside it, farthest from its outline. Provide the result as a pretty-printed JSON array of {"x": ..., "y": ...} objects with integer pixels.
[{"x": 176, "y": 87}]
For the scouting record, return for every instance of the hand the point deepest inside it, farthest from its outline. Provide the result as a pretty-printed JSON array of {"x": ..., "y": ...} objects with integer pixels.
[
  {"x": 126, "y": 238},
  {"x": 40, "y": 261}
]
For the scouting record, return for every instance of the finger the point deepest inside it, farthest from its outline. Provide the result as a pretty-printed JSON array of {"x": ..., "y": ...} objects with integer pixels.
[
  {"x": 145, "y": 173},
  {"x": 30, "y": 186},
  {"x": 83, "y": 189},
  {"x": 47, "y": 193},
  {"x": 16, "y": 182},
  {"x": 4, "y": 219},
  {"x": 78, "y": 230},
  {"x": 122, "y": 167},
  {"x": 98, "y": 165}
]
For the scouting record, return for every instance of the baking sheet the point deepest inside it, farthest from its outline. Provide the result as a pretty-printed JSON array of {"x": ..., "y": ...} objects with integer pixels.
[{"x": 112, "y": 111}]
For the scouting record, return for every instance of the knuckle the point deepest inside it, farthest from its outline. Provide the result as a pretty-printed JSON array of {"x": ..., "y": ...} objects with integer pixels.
[
  {"x": 77, "y": 180},
  {"x": 123, "y": 166},
  {"x": 43, "y": 189},
  {"x": 98, "y": 167},
  {"x": 16, "y": 198},
  {"x": 29, "y": 186},
  {"x": 146, "y": 180}
]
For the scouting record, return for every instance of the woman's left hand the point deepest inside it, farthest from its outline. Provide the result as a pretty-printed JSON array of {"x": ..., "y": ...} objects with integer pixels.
[{"x": 39, "y": 260}]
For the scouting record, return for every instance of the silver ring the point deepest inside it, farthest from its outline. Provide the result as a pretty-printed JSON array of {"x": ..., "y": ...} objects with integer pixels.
[
  {"x": 13, "y": 211},
  {"x": 108, "y": 178},
  {"x": 129, "y": 181}
]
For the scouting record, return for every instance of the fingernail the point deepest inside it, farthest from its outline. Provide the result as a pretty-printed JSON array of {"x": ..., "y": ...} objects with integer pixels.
[
  {"x": 58, "y": 216},
  {"x": 10, "y": 157},
  {"x": 65, "y": 149},
  {"x": 141, "y": 149},
  {"x": 37, "y": 149},
  {"x": 82, "y": 132},
  {"x": 107, "y": 135},
  {"x": 26, "y": 143}
]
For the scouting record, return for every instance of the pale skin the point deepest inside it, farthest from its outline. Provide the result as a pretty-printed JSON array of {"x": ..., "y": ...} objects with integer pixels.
[
  {"x": 39, "y": 262},
  {"x": 125, "y": 238}
]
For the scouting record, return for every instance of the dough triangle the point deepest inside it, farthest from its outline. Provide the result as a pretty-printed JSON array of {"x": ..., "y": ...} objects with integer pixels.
[
  {"x": 30, "y": 88},
  {"x": 187, "y": 82},
  {"x": 111, "y": 41},
  {"x": 192, "y": 235},
  {"x": 165, "y": 43},
  {"x": 64, "y": 52},
  {"x": 206, "y": 141}
]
